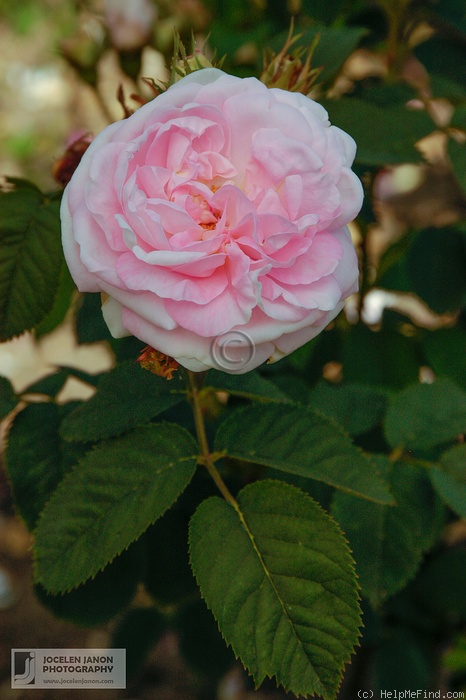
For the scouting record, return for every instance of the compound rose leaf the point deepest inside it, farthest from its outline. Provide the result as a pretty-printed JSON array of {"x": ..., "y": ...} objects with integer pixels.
[
  {"x": 31, "y": 257},
  {"x": 389, "y": 542},
  {"x": 126, "y": 396},
  {"x": 112, "y": 496},
  {"x": 278, "y": 576},
  {"x": 296, "y": 440},
  {"x": 449, "y": 478},
  {"x": 423, "y": 416}
]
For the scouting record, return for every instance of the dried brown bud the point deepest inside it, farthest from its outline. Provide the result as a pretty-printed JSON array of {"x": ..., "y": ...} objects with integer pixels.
[
  {"x": 157, "y": 363},
  {"x": 65, "y": 166}
]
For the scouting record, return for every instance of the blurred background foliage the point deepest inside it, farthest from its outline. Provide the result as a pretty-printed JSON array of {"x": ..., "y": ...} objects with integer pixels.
[{"x": 393, "y": 74}]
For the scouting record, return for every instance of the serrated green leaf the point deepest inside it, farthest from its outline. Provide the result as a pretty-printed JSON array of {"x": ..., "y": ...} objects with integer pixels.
[
  {"x": 392, "y": 133},
  {"x": 449, "y": 478},
  {"x": 100, "y": 599},
  {"x": 250, "y": 385},
  {"x": 31, "y": 257},
  {"x": 110, "y": 498},
  {"x": 278, "y": 576},
  {"x": 126, "y": 396},
  {"x": 295, "y": 440},
  {"x": 8, "y": 398},
  {"x": 357, "y": 407},
  {"x": 388, "y": 542},
  {"x": 423, "y": 416},
  {"x": 36, "y": 458},
  {"x": 62, "y": 302}
]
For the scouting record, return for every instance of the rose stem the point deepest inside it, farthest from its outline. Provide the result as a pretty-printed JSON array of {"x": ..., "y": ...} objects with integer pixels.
[{"x": 206, "y": 457}]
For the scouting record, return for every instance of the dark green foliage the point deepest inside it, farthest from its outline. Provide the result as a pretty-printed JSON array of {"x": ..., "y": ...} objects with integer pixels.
[
  {"x": 115, "y": 492},
  {"x": 99, "y": 599},
  {"x": 437, "y": 268},
  {"x": 298, "y": 441},
  {"x": 116, "y": 487},
  {"x": 8, "y": 398},
  {"x": 126, "y": 396},
  {"x": 279, "y": 560},
  {"x": 32, "y": 277},
  {"x": 388, "y": 542}
]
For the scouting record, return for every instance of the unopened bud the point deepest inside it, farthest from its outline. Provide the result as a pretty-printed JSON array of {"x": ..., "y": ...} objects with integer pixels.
[{"x": 288, "y": 71}]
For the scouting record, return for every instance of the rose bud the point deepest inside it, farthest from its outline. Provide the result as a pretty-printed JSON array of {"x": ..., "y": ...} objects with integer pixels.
[{"x": 215, "y": 219}]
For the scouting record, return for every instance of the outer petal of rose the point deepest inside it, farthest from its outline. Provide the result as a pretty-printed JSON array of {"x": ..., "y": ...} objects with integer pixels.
[
  {"x": 176, "y": 343},
  {"x": 307, "y": 107},
  {"x": 191, "y": 351},
  {"x": 85, "y": 280},
  {"x": 146, "y": 305},
  {"x": 289, "y": 342},
  {"x": 184, "y": 92},
  {"x": 263, "y": 329},
  {"x": 352, "y": 195},
  {"x": 77, "y": 185},
  {"x": 112, "y": 312},
  {"x": 347, "y": 272},
  {"x": 97, "y": 258}
]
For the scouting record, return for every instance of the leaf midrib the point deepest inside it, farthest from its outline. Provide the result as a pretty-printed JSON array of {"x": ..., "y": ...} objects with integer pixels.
[{"x": 268, "y": 576}]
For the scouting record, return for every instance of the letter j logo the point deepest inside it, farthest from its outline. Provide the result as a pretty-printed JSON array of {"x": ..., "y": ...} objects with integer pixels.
[{"x": 24, "y": 668}]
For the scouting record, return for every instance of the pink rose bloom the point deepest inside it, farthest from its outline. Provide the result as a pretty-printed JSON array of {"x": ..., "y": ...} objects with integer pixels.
[{"x": 215, "y": 217}]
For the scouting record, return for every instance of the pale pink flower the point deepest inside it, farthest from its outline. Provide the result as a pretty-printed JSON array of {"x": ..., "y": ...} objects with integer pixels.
[{"x": 218, "y": 208}]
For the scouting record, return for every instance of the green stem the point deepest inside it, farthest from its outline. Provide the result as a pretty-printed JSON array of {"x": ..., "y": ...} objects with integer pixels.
[{"x": 195, "y": 381}]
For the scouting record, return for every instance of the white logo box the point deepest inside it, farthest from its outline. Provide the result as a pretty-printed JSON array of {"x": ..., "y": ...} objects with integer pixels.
[{"x": 68, "y": 668}]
